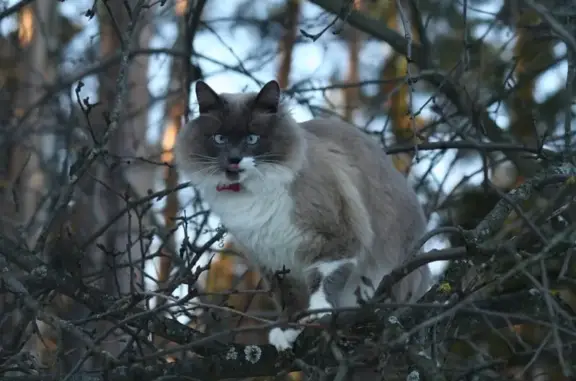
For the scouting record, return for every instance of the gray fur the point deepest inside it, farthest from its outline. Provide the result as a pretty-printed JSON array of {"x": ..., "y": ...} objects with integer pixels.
[
  {"x": 345, "y": 179},
  {"x": 322, "y": 197},
  {"x": 334, "y": 283}
]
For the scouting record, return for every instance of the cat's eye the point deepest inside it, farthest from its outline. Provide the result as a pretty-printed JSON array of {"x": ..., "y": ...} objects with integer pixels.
[
  {"x": 252, "y": 139},
  {"x": 219, "y": 139}
]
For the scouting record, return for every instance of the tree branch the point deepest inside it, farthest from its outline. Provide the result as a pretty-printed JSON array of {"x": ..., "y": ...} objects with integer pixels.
[
  {"x": 465, "y": 106},
  {"x": 218, "y": 360}
]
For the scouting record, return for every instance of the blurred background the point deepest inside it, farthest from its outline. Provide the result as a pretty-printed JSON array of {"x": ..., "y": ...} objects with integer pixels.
[{"x": 465, "y": 95}]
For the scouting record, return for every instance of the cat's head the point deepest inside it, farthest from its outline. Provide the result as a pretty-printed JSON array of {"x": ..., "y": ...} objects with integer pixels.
[{"x": 242, "y": 138}]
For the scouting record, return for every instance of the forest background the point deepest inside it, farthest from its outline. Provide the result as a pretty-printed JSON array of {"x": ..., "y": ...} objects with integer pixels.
[{"x": 111, "y": 268}]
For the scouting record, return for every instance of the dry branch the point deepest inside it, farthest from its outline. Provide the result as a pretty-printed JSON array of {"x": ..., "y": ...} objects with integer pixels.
[{"x": 215, "y": 359}]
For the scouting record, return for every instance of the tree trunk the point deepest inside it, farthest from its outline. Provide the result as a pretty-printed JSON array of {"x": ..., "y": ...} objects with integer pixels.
[
  {"x": 125, "y": 245},
  {"x": 37, "y": 32},
  {"x": 176, "y": 108},
  {"x": 526, "y": 51},
  {"x": 292, "y": 12},
  {"x": 404, "y": 126},
  {"x": 178, "y": 91},
  {"x": 352, "y": 92},
  {"x": 26, "y": 180}
]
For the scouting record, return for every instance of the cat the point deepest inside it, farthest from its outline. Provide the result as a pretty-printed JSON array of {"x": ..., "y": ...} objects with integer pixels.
[{"x": 320, "y": 199}]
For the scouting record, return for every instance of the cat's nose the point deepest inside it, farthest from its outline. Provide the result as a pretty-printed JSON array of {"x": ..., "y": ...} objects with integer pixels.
[{"x": 234, "y": 160}]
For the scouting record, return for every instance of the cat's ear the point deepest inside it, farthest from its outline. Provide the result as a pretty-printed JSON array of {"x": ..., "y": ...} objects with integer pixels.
[
  {"x": 268, "y": 99},
  {"x": 208, "y": 99}
]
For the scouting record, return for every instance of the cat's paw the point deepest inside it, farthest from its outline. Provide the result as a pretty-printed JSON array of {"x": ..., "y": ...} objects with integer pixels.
[{"x": 283, "y": 339}]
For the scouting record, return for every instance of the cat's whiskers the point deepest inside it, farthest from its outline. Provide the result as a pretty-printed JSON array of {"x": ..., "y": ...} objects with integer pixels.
[
  {"x": 265, "y": 156},
  {"x": 206, "y": 162},
  {"x": 210, "y": 170},
  {"x": 258, "y": 171},
  {"x": 205, "y": 157},
  {"x": 261, "y": 160},
  {"x": 204, "y": 179}
]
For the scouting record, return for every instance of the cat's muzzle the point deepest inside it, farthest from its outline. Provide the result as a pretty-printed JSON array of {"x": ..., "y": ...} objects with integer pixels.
[
  {"x": 233, "y": 171},
  {"x": 234, "y": 168}
]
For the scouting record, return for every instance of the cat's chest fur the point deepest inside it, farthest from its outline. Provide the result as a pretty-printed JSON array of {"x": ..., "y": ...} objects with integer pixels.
[{"x": 263, "y": 224}]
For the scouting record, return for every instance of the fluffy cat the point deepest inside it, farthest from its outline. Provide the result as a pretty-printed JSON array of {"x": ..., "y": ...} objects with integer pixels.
[{"x": 318, "y": 198}]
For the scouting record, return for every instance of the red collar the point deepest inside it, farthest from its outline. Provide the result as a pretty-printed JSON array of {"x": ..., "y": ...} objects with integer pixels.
[{"x": 235, "y": 187}]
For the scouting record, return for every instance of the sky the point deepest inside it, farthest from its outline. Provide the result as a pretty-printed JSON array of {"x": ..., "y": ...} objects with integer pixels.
[{"x": 319, "y": 59}]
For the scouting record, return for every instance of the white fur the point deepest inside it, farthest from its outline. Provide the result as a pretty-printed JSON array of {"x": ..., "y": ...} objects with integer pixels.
[
  {"x": 283, "y": 339},
  {"x": 259, "y": 216},
  {"x": 247, "y": 163},
  {"x": 318, "y": 299},
  {"x": 328, "y": 267}
]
